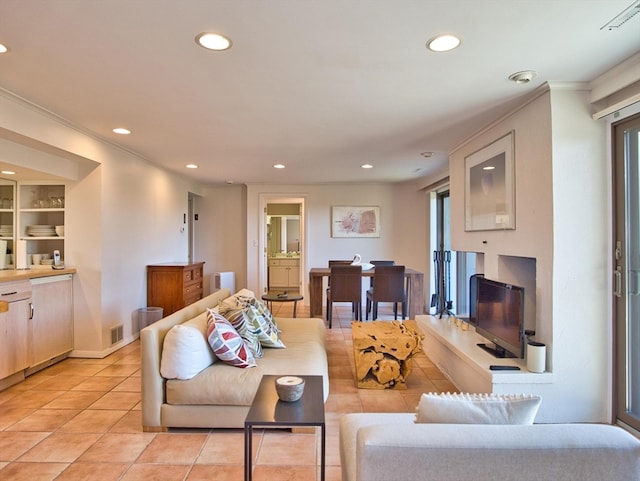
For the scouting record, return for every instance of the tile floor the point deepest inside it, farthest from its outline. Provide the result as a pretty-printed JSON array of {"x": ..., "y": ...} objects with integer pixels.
[{"x": 80, "y": 420}]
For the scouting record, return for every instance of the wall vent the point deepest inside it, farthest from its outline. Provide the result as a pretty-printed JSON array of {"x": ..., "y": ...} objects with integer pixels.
[{"x": 116, "y": 334}]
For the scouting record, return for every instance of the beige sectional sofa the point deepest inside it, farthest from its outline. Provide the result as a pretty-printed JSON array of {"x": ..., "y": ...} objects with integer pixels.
[
  {"x": 220, "y": 395},
  {"x": 384, "y": 446}
]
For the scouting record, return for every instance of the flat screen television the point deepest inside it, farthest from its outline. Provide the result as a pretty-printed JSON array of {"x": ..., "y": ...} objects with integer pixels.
[{"x": 500, "y": 317}]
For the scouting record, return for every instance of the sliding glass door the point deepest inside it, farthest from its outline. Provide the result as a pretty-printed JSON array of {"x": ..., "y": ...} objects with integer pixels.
[{"x": 627, "y": 271}]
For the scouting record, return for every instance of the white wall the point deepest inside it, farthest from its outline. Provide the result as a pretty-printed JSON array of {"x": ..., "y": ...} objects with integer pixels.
[
  {"x": 561, "y": 222},
  {"x": 403, "y": 220},
  {"x": 122, "y": 213}
]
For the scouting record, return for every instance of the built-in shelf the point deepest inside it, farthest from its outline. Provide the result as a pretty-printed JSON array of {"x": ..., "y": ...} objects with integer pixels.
[{"x": 456, "y": 353}]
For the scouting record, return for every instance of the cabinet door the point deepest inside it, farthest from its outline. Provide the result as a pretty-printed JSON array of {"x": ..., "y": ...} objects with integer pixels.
[
  {"x": 14, "y": 329},
  {"x": 52, "y": 323},
  {"x": 294, "y": 277},
  {"x": 279, "y": 277}
]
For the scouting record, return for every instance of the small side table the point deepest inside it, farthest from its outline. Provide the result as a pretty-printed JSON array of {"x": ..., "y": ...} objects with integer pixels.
[
  {"x": 268, "y": 411},
  {"x": 271, "y": 298}
]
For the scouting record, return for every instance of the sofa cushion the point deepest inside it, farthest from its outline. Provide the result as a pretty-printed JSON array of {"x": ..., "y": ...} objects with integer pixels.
[
  {"x": 464, "y": 408},
  {"x": 226, "y": 343},
  {"x": 185, "y": 352},
  {"x": 241, "y": 323},
  {"x": 305, "y": 355}
]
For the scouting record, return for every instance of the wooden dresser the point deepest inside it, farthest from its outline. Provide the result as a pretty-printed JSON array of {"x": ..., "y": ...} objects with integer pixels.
[{"x": 174, "y": 285}]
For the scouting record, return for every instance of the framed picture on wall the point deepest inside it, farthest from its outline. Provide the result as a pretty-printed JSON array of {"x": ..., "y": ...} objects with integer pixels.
[
  {"x": 489, "y": 186},
  {"x": 355, "y": 221}
]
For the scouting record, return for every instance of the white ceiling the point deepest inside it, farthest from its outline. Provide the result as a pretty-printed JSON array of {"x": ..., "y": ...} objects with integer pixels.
[{"x": 321, "y": 86}]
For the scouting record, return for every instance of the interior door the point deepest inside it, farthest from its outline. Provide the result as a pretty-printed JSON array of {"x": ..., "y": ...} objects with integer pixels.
[{"x": 627, "y": 270}]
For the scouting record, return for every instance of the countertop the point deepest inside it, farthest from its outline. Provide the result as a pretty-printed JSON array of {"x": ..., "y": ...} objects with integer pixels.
[{"x": 9, "y": 275}]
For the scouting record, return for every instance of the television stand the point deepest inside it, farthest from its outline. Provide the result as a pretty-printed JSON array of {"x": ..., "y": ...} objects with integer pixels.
[{"x": 497, "y": 351}]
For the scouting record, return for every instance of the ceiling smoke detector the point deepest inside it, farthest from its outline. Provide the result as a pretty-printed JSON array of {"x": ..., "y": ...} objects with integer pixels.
[{"x": 523, "y": 77}]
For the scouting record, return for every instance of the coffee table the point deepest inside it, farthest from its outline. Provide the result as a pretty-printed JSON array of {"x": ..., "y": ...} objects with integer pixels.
[
  {"x": 271, "y": 298},
  {"x": 268, "y": 411}
]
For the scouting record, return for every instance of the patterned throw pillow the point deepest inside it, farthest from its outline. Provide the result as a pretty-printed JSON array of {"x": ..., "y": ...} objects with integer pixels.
[
  {"x": 226, "y": 343},
  {"x": 238, "y": 319},
  {"x": 267, "y": 331}
]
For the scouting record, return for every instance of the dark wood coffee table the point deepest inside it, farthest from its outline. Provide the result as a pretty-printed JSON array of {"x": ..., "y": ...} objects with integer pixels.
[
  {"x": 268, "y": 411},
  {"x": 271, "y": 298}
]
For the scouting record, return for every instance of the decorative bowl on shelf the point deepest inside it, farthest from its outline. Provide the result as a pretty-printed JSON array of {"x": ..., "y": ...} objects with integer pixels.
[{"x": 59, "y": 230}]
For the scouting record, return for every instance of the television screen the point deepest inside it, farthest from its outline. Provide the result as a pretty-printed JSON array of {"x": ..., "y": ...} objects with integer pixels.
[{"x": 500, "y": 317}]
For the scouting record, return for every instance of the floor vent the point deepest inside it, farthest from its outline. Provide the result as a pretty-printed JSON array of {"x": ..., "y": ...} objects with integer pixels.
[{"x": 116, "y": 334}]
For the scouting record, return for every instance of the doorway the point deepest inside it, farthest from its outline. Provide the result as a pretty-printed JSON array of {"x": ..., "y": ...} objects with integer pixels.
[{"x": 283, "y": 245}]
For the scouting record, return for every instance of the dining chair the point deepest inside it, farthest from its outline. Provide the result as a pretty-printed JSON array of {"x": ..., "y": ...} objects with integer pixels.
[
  {"x": 345, "y": 286},
  {"x": 379, "y": 263},
  {"x": 389, "y": 287}
]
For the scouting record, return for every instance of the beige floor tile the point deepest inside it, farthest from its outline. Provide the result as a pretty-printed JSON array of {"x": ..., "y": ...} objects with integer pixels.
[
  {"x": 173, "y": 448},
  {"x": 282, "y": 448},
  {"x": 343, "y": 403},
  {"x": 131, "y": 384},
  {"x": 156, "y": 472},
  {"x": 60, "y": 448},
  {"x": 382, "y": 401},
  {"x": 129, "y": 423},
  {"x": 14, "y": 445},
  {"x": 44, "y": 420},
  {"x": 32, "y": 399},
  {"x": 284, "y": 473},
  {"x": 225, "y": 448},
  {"x": 93, "y": 472},
  {"x": 38, "y": 471},
  {"x": 103, "y": 384},
  {"x": 117, "y": 447},
  {"x": 10, "y": 416},
  {"x": 74, "y": 400},
  {"x": 117, "y": 400},
  {"x": 217, "y": 472},
  {"x": 93, "y": 421},
  {"x": 61, "y": 382},
  {"x": 118, "y": 370}
]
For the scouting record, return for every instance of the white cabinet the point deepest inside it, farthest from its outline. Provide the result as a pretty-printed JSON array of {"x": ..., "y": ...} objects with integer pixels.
[
  {"x": 14, "y": 327},
  {"x": 52, "y": 322},
  {"x": 284, "y": 273},
  {"x": 40, "y": 222}
]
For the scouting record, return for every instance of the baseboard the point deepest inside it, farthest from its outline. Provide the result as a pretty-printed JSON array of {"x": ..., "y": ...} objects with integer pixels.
[{"x": 105, "y": 352}]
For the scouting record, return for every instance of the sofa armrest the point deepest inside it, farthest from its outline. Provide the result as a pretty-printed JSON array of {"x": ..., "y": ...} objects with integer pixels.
[
  {"x": 151, "y": 343},
  {"x": 407, "y": 451}
]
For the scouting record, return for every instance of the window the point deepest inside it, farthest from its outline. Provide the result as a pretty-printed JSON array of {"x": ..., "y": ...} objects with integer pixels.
[{"x": 451, "y": 269}]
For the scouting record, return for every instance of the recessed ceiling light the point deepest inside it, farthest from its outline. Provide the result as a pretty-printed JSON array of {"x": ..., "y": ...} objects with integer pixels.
[
  {"x": 367, "y": 166},
  {"x": 426, "y": 155},
  {"x": 3, "y": 48},
  {"x": 191, "y": 166},
  {"x": 278, "y": 166},
  {"x": 8, "y": 172},
  {"x": 213, "y": 41},
  {"x": 443, "y": 43},
  {"x": 523, "y": 77},
  {"x": 121, "y": 131}
]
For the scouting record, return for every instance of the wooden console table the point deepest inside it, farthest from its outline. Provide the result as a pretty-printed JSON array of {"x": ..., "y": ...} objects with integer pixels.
[
  {"x": 383, "y": 352},
  {"x": 415, "y": 294}
]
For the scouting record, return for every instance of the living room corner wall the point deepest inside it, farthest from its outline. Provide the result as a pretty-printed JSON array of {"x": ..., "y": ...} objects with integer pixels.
[{"x": 561, "y": 223}]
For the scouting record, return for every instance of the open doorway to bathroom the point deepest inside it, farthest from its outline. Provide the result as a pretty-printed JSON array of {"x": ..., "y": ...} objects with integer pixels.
[{"x": 284, "y": 248}]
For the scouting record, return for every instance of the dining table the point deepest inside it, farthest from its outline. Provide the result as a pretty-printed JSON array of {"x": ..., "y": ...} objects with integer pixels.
[{"x": 415, "y": 290}]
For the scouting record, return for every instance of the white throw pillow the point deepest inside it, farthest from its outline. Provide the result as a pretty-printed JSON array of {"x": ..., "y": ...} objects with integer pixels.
[
  {"x": 185, "y": 353},
  {"x": 464, "y": 408}
]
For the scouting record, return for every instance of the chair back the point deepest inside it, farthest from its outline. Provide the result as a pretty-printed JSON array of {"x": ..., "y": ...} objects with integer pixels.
[
  {"x": 379, "y": 263},
  {"x": 336, "y": 263},
  {"x": 389, "y": 284},
  {"x": 346, "y": 283}
]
